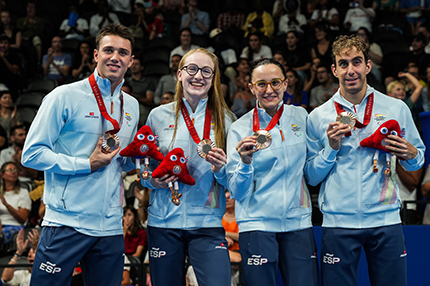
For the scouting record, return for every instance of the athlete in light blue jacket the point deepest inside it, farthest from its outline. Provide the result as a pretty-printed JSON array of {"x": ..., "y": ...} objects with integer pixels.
[
  {"x": 360, "y": 207},
  {"x": 194, "y": 226},
  {"x": 83, "y": 185},
  {"x": 273, "y": 208}
]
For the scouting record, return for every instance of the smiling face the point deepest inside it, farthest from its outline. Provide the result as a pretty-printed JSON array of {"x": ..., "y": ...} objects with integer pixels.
[
  {"x": 351, "y": 69},
  {"x": 113, "y": 58},
  {"x": 196, "y": 87},
  {"x": 270, "y": 98}
]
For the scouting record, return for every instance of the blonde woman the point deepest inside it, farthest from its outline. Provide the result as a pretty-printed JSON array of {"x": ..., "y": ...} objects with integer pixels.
[{"x": 194, "y": 226}]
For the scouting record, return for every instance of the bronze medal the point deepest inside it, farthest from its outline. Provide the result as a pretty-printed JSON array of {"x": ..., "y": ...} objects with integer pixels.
[
  {"x": 204, "y": 147},
  {"x": 177, "y": 169},
  {"x": 110, "y": 142},
  {"x": 346, "y": 118},
  {"x": 264, "y": 139}
]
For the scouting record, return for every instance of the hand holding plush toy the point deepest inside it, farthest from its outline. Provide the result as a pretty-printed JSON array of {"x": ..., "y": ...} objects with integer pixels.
[
  {"x": 377, "y": 141},
  {"x": 143, "y": 146},
  {"x": 175, "y": 164}
]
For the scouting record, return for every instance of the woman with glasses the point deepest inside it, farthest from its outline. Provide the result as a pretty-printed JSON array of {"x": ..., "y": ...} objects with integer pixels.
[
  {"x": 266, "y": 151},
  {"x": 196, "y": 121},
  {"x": 15, "y": 201}
]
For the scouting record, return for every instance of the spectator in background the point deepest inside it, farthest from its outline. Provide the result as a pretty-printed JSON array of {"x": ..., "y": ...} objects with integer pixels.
[
  {"x": 414, "y": 12},
  {"x": 425, "y": 95},
  {"x": 56, "y": 64},
  {"x": 259, "y": 21},
  {"x": 375, "y": 52},
  {"x": 122, "y": 8},
  {"x": 185, "y": 46},
  {"x": 311, "y": 76},
  {"x": 167, "y": 97},
  {"x": 321, "y": 49},
  {"x": 226, "y": 55},
  {"x": 417, "y": 53},
  {"x": 10, "y": 67},
  {"x": 297, "y": 55},
  {"x": 102, "y": 18},
  {"x": 167, "y": 83},
  {"x": 292, "y": 19},
  {"x": 326, "y": 12},
  {"x": 255, "y": 50},
  {"x": 231, "y": 21},
  {"x": 135, "y": 239},
  {"x": 32, "y": 28},
  {"x": 294, "y": 94},
  {"x": 18, "y": 133},
  {"x": 243, "y": 100},
  {"x": 397, "y": 89},
  {"x": 326, "y": 88},
  {"x": 14, "y": 275},
  {"x": 425, "y": 190},
  {"x": 15, "y": 201},
  {"x": 143, "y": 89},
  {"x": 198, "y": 21},
  {"x": 74, "y": 27},
  {"x": 7, "y": 112},
  {"x": 232, "y": 235},
  {"x": 279, "y": 56},
  {"x": 84, "y": 64},
  {"x": 360, "y": 14},
  {"x": 9, "y": 29}
]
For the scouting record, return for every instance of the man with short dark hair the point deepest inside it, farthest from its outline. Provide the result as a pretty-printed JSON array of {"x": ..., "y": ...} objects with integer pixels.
[
  {"x": 75, "y": 139},
  {"x": 326, "y": 88}
]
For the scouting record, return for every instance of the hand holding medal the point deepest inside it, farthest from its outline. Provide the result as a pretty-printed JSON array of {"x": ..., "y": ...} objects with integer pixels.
[{"x": 174, "y": 164}]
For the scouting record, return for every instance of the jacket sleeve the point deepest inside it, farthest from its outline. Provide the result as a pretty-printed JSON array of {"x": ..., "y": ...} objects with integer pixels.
[
  {"x": 320, "y": 156},
  {"x": 240, "y": 176},
  {"x": 38, "y": 150},
  {"x": 413, "y": 137}
]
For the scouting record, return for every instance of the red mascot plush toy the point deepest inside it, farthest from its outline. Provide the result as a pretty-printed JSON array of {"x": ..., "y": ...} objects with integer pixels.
[
  {"x": 175, "y": 164},
  {"x": 143, "y": 146},
  {"x": 377, "y": 141}
]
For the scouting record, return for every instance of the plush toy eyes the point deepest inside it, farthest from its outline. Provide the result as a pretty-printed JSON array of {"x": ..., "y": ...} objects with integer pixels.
[
  {"x": 150, "y": 138},
  {"x": 173, "y": 158},
  {"x": 384, "y": 130},
  {"x": 183, "y": 160},
  {"x": 140, "y": 136},
  {"x": 393, "y": 132}
]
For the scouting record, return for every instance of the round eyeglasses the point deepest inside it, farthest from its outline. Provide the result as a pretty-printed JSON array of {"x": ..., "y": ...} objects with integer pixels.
[
  {"x": 262, "y": 85},
  {"x": 193, "y": 69}
]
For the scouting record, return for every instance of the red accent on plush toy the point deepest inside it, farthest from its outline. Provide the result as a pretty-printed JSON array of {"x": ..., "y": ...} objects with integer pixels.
[
  {"x": 174, "y": 164},
  {"x": 377, "y": 139},
  {"x": 143, "y": 145}
]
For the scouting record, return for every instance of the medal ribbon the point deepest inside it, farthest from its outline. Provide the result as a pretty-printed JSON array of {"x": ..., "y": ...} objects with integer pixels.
[
  {"x": 190, "y": 125},
  {"x": 367, "y": 113},
  {"x": 272, "y": 123},
  {"x": 102, "y": 107}
]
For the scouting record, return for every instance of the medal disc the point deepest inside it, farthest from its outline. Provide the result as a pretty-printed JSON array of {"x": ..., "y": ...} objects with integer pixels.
[
  {"x": 264, "y": 139},
  {"x": 346, "y": 118},
  {"x": 204, "y": 147},
  {"x": 110, "y": 142},
  {"x": 177, "y": 169}
]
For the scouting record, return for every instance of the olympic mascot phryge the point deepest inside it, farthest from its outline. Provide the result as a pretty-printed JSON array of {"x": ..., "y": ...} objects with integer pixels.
[
  {"x": 143, "y": 147},
  {"x": 175, "y": 164},
  {"x": 377, "y": 141}
]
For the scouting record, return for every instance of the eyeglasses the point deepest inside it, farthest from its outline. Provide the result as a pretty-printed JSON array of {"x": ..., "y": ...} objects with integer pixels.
[
  {"x": 192, "y": 69},
  {"x": 262, "y": 85},
  {"x": 11, "y": 170}
]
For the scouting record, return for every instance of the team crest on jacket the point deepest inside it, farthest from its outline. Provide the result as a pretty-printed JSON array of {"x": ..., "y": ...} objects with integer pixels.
[
  {"x": 296, "y": 130},
  {"x": 379, "y": 117}
]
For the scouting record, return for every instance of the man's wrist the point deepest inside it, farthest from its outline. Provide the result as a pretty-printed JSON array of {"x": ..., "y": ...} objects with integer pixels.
[{"x": 17, "y": 255}]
